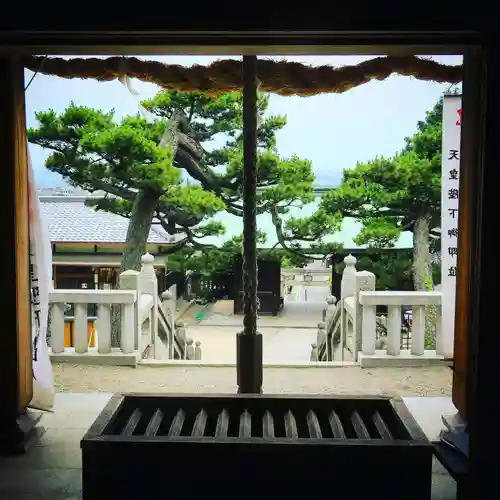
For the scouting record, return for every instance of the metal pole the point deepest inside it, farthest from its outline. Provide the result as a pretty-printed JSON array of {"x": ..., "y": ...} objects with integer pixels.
[{"x": 249, "y": 341}]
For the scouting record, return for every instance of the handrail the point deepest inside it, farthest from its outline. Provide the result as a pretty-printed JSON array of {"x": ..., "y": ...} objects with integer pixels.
[
  {"x": 334, "y": 334},
  {"x": 175, "y": 347},
  {"x": 145, "y": 305},
  {"x": 350, "y": 305},
  {"x": 164, "y": 325},
  {"x": 92, "y": 296},
  {"x": 163, "y": 313},
  {"x": 179, "y": 349},
  {"x": 396, "y": 298},
  {"x": 327, "y": 346}
]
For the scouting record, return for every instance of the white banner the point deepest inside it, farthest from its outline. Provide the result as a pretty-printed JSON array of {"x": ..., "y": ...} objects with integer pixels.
[
  {"x": 41, "y": 283},
  {"x": 452, "y": 121},
  {"x": 147, "y": 115}
]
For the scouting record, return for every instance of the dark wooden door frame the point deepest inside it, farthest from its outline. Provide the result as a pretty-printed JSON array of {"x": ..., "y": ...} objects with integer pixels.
[
  {"x": 16, "y": 373},
  {"x": 477, "y": 306},
  {"x": 481, "y": 303},
  {"x": 470, "y": 151}
]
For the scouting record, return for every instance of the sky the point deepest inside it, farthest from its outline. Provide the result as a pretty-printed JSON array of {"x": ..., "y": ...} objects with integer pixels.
[{"x": 333, "y": 131}]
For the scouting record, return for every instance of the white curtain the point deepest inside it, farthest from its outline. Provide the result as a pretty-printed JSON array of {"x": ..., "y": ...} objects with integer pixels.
[{"x": 41, "y": 284}]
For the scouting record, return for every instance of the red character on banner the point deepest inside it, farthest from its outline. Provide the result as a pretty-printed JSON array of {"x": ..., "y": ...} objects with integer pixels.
[{"x": 459, "y": 121}]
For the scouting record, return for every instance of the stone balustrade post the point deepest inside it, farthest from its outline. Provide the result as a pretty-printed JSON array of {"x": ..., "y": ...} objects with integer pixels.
[
  {"x": 365, "y": 282},
  {"x": 181, "y": 334},
  {"x": 103, "y": 328},
  {"x": 321, "y": 335},
  {"x": 331, "y": 306},
  {"x": 368, "y": 329},
  {"x": 348, "y": 282},
  {"x": 347, "y": 289},
  {"x": 128, "y": 328},
  {"x": 418, "y": 330},
  {"x": 148, "y": 283},
  {"x": 189, "y": 350},
  {"x": 168, "y": 306},
  {"x": 314, "y": 353},
  {"x": 394, "y": 330},
  {"x": 381, "y": 342},
  {"x": 57, "y": 327},
  {"x": 81, "y": 340},
  {"x": 130, "y": 280},
  {"x": 197, "y": 351}
]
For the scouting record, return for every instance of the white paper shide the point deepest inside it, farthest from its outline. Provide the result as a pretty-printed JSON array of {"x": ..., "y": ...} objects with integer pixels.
[
  {"x": 41, "y": 282},
  {"x": 452, "y": 121}
]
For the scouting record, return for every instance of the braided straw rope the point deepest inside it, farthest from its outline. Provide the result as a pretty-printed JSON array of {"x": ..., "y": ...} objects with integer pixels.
[
  {"x": 280, "y": 77},
  {"x": 250, "y": 171}
]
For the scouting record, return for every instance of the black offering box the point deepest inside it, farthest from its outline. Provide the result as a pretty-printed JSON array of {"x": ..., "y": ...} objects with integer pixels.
[{"x": 195, "y": 446}]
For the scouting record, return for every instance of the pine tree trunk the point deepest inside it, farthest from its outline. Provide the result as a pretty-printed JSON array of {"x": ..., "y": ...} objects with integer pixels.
[
  {"x": 139, "y": 226},
  {"x": 135, "y": 246},
  {"x": 422, "y": 274}
]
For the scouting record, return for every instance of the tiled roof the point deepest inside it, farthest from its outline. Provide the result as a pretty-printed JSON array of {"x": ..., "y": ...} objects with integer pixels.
[{"x": 68, "y": 219}]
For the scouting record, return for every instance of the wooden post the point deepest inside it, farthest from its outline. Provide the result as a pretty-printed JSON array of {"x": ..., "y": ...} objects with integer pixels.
[
  {"x": 16, "y": 371},
  {"x": 467, "y": 226},
  {"x": 249, "y": 341},
  {"x": 481, "y": 104}
]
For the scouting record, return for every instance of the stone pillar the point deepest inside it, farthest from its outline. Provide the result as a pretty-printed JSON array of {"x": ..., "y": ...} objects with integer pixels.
[
  {"x": 148, "y": 283},
  {"x": 197, "y": 351},
  {"x": 190, "y": 349},
  {"x": 365, "y": 282},
  {"x": 321, "y": 334},
  {"x": 348, "y": 283},
  {"x": 130, "y": 280},
  {"x": 330, "y": 308},
  {"x": 314, "y": 353}
]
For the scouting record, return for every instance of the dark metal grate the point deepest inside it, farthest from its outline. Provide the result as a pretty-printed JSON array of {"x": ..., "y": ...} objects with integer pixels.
[{"x": 367, "y": 422}]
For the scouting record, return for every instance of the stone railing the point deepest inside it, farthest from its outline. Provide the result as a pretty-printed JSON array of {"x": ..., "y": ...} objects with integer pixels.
[
  {"x": 329, "y": 332},
  {"x": 390, "y": 328},
  {"x": 406, "y": 334},
  {"x": 147, "y": 328},
  {"x": 377, "y": 340},
  {"x": 180, "y": 345},
  {"x": 89, "y": 338}
]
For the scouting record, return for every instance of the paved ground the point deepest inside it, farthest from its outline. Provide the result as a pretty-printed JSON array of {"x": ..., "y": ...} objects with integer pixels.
[
  {"x": 432, "y": 381},
  {"x": 192, "y": 315},
  {"x": 53, "y": 469},
  {"x": 296, "y": 313},
  {"x": 281, "y": 345},
  {"x": 287, "y": 338},
  {"x": 290, "y": 345}
]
